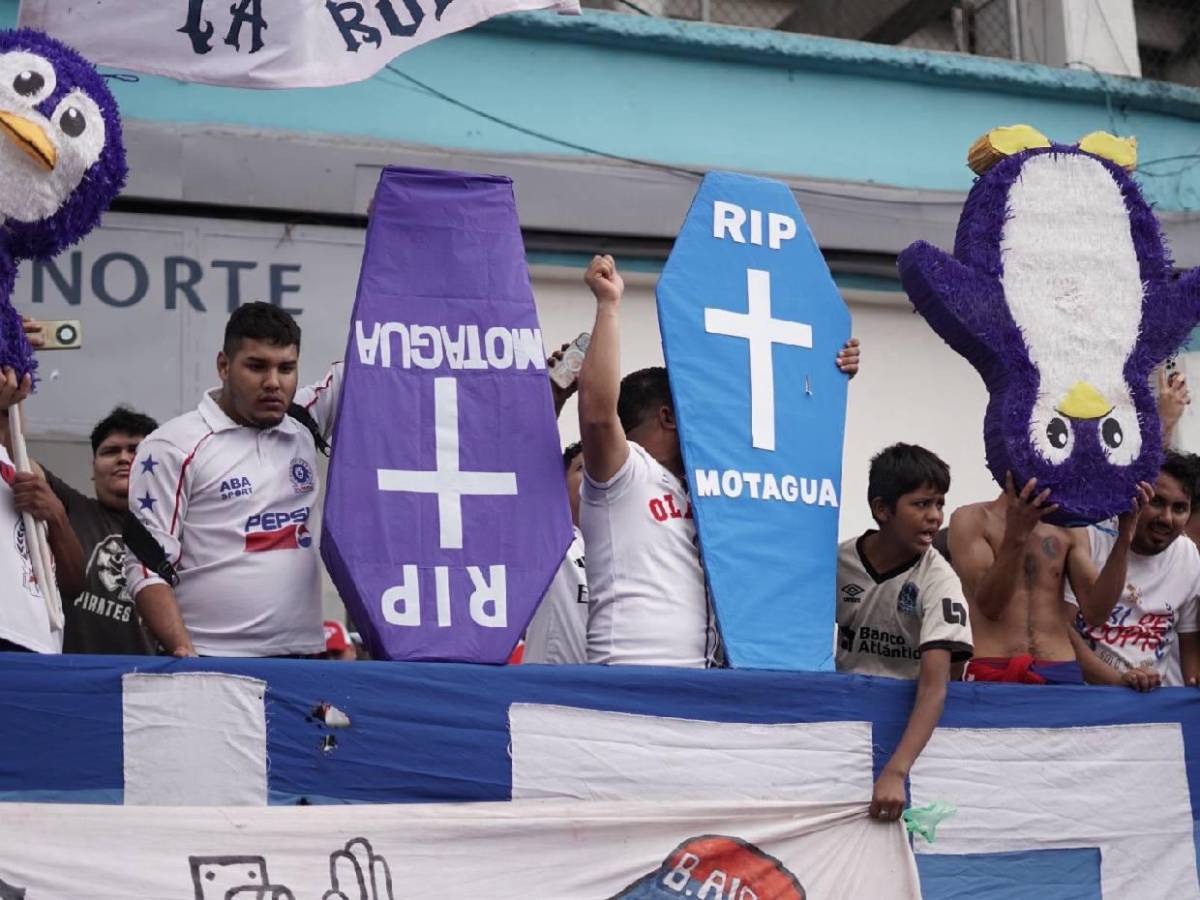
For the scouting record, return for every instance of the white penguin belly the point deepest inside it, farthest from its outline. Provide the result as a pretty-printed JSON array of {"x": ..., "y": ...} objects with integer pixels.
[{"x": 1073, "y": 287}]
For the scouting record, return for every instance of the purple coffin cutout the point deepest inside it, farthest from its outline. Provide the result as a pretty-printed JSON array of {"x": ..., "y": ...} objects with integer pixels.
[{"x": 446, "y": 514}]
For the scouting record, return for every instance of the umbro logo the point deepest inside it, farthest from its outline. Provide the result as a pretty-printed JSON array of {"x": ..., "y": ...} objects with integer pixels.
[{"x": 852, "y": 593}]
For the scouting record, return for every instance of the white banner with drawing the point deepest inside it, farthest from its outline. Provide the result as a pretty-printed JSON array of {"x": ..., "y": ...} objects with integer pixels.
[{"x": 523, "y": 849}]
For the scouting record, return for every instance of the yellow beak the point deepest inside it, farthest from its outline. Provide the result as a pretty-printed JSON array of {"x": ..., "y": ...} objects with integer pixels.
[
  {"x": 1084, "y": 402},
  {"x": 30, "y": 138}
]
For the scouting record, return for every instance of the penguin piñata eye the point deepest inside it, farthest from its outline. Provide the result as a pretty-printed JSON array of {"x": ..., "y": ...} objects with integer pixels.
[
  {"x": 72, "y": 122},
  {"x": 1112, "y": 434},
  {"x": 28, "y": 83},
  {"x": 1056, "y": 433}
]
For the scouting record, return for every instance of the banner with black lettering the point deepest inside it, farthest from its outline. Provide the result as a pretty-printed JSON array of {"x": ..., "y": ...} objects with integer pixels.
[
  {"x": 555, "y": 848},
  {"x": 260, "y": 43}
]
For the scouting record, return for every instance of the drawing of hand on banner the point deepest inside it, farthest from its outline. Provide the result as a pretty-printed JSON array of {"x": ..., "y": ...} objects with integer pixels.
[{"x": 357, "y": 872}]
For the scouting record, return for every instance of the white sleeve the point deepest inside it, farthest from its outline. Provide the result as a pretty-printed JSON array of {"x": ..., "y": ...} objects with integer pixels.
[
  {"x": 158, "y": 498},
  {"x": 600, "y": 492},
  {"x": 321, "y": 399},
  {"x": 1189, "y": 609}
]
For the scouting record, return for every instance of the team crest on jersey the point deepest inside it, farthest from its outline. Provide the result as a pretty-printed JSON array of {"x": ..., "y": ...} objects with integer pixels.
[
  {"x": 852, "y": 593},
  {"x": 301, "y": 474},
  {"x": 236, "y": 486},
  {"x": 907, "y": 603}
]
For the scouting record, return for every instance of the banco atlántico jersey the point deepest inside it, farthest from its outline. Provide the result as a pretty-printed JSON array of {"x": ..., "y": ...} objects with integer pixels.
[
  {"x": 230, "y": 505},
  {"x": 886, "y": 619}
]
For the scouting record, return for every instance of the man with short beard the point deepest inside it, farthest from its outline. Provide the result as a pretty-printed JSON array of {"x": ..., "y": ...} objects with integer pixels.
[
  {"x": 226, "y": 491},
  {"x": 1154, "y": 624}
]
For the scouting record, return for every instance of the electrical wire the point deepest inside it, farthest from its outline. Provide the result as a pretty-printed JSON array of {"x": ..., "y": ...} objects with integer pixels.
[
  {"x": 541, "y": 135},
  {"x": 635, "y": 7},
  {"x": 679, "y": 171}
]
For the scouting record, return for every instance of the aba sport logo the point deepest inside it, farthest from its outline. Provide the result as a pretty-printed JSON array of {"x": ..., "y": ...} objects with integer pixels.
[
  {"x": 237, "y": 486},
  {"x": 301, "y": 474},
  {"x": 717, "y": 867},
  {"x": 278, "y": 531}
]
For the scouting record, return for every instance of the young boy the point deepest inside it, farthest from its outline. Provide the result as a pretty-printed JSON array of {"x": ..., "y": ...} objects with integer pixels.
[{"x": 900, "y": 607}]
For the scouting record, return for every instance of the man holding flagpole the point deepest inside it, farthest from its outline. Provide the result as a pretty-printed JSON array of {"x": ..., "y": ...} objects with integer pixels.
[{"x": 24, "y": 615}]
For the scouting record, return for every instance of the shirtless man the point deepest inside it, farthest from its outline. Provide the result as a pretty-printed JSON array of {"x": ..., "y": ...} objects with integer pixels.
[{"x": 1013, "y": 569}]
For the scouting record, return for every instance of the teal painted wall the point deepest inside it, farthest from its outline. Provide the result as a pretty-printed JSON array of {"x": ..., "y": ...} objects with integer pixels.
[{"x": 711, "y": 97}]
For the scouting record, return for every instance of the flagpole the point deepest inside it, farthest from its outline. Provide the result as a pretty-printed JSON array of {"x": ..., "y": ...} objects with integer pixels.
[{"x": 37, "y": 541}]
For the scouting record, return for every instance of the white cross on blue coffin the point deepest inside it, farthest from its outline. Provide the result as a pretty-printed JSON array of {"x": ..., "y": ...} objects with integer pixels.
[
  {"x": 751, "y": 324},
  {"x": 1062, "y": 792}
]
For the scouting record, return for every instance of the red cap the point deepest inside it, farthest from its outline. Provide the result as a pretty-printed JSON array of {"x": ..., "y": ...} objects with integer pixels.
[{"x": 337, "y": 638}]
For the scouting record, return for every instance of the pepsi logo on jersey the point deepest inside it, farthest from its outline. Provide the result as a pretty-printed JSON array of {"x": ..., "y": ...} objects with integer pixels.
[{"x": 278, "y": 531}]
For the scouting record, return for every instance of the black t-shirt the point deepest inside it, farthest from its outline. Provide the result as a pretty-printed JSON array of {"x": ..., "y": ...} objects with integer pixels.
[{"x": 102, "y": 618}]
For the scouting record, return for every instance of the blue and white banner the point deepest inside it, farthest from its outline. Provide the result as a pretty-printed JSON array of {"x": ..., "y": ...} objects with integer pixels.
[
  {"x": 1062, "y": 792},
  {"x": 260, "y": 43},
  {"x": 751, "y": 324}
]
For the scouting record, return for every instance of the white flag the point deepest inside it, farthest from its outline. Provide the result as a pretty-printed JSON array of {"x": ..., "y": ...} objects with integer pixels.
[
  {"x": 553, "y": 849},
  {"x": 260, "y": 43}
]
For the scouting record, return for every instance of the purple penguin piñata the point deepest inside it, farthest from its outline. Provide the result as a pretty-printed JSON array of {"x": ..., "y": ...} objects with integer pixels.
[
  {"x": 1061, "y": 294},
  {"x": 62, "y": 162}
]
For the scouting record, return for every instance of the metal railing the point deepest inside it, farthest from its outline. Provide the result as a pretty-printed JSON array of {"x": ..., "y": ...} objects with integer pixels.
[{"x": 1168, "y": 31}]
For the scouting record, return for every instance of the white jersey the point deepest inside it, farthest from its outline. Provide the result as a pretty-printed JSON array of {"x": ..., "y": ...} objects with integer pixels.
[
  {"x": 886, "y": 620},
  {"x": 647, "y": 599},
  {"x": 1161, "y": 599},
  {"x": 558, "y": 631},
  {"x": 230, "y": 505},
  {"x": 24, "y": 619}
]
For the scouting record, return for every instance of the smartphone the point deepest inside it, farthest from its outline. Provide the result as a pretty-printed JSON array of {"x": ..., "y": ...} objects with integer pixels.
[
  {"x": 65, "y": 334},
  {"x": 567, "y": 369}
]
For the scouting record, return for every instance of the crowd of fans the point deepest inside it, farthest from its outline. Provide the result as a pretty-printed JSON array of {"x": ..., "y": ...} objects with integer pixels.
[{"x": 998, "y": 595}]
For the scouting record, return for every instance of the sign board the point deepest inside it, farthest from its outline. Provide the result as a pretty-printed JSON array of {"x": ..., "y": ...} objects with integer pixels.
[
  {"x": 751, "y": 324},
  {"x": 446, "y": 514}
]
